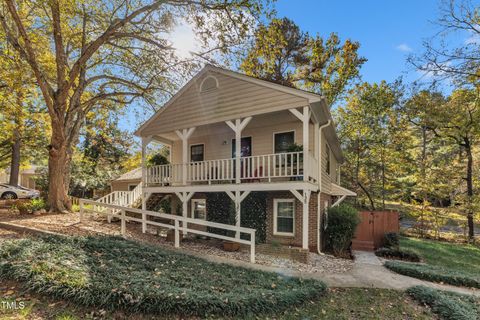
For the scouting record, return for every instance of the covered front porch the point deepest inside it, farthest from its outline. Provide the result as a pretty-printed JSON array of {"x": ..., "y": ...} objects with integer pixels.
[{"x": 273, "y": 147}]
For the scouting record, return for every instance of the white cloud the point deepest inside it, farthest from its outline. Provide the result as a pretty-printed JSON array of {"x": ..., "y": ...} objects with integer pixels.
[{"x": 404, "y": 47}]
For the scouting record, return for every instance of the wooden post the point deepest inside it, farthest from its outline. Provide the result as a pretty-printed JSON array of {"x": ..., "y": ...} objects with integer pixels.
[
  {"x": 184, "y": 135},
  {"x": 177, "y": 234},
  {"x": 305, "y": 118},
  {"x": 238, "y": 150},
  {"x": 305, "y": 200},
  {"x": 252, "y": 247},
  {"x": 238, "y": 197},
  {"x": 306, "y": 144},
  {"x": 237, "y": 128},
  {"x": 184, "y": 197},
  {"x": 122, "y": 223},
  {"x": 81, "y": 211}
]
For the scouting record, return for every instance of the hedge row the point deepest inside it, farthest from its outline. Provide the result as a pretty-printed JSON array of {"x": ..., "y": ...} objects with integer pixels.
[
  {"x": 447, "y": 305},
  {"x": 391, "y": 253},
  {"x": 434, "y": 273},
  {"x": 112, "y": 273}
]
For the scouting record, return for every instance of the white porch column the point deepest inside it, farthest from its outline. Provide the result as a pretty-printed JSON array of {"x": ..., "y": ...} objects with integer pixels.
[
  {"x": 304, "y": 116},
  {"x": 237, "y": 128},
  {"x": 238, "y": 197},
  {"x": 304, "y": 198},
  {"x": 184, "y": 197},
  {"x": 184, "y": 135}
]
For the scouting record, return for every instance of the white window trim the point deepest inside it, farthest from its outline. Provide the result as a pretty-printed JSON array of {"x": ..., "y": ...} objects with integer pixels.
[
  {"x": 190, "y": 151},
  {"x": 279, "y": 132},
  {"x": 192, "y": 210},
  {"x": 275, "y": 215}
]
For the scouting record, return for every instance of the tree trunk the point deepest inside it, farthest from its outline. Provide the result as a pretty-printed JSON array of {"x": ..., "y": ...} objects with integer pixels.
[
  {"x": 469, "y": 179},
  {"x": 58, "y": 200},
  {"x": 372, "y": 203},
  {"x": 15, "y": 163}
]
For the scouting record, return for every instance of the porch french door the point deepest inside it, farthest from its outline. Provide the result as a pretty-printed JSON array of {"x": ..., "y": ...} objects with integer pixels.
[{"x": 245, "y": 151}]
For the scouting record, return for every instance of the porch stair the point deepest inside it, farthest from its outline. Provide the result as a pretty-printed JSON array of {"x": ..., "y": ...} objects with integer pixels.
[{"x": 123, "y": 198}]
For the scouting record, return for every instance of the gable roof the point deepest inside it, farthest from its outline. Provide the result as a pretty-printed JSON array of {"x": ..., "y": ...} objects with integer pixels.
[
  {"x": 135, "y": 174},
  {"x": 238, "y": 95},
  {"x": 281, "y": 93}
]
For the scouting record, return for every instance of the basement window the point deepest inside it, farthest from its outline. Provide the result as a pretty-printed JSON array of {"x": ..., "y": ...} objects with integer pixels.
[{"x": 283, "y": 217}]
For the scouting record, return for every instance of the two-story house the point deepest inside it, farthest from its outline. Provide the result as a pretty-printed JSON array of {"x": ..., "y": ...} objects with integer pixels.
[{"x": 228, "y": 132}]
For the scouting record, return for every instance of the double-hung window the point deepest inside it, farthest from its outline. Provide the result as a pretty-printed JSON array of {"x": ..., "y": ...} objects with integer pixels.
[{"x": 284, "y": 217}]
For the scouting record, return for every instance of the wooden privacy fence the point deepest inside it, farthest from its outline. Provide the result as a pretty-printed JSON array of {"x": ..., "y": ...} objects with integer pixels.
[
  {"x": 370, "y": 233},
  {"x": 178, "y": 223}
]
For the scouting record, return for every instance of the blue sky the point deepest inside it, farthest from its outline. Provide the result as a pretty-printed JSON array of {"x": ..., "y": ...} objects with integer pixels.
[{"x": 388, "y": 31}]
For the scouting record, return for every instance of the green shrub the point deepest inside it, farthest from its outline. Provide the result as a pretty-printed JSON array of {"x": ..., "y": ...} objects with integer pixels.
[
  {"x": 434, "y": 273},
  {"x": 341, "y": 223},
  {"x": 37, "y": 204},
  {"x": 113, "y": 273},
  {"x": 447, "y": 305},
  {"x": 390, "y": 253},
  {"x": 391, "y": 240}
]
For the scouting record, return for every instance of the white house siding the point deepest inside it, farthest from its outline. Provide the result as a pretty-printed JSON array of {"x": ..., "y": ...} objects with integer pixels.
[
  {"x": 262, "y": 140},
  {"x": 234, "y": 98}
]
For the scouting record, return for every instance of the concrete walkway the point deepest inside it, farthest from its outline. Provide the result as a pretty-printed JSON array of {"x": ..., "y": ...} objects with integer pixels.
[{"x": 367, "y": 272}]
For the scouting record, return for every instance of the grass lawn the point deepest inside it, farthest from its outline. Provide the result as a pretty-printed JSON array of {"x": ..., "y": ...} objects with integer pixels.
[
  {"x": 112, "y": 273},
  {"x": 461, "y": 257},
  {"x": 456, "y": 264},
  {"x": 335, "y": 304}
]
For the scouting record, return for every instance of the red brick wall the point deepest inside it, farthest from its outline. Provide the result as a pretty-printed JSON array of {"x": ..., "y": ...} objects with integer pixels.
[{"x": 296, "y": 239}]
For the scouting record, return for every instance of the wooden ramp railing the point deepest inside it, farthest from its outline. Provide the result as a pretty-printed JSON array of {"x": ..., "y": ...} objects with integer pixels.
[{"x": 178, "y": 223}]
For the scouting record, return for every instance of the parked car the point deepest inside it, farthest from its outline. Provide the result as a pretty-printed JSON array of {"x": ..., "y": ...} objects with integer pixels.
[{"x": 17, "y": 192}]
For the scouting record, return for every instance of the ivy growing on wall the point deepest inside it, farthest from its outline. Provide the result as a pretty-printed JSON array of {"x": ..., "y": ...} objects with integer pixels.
[
  {"x": 221, "y": 209},
  {"x": 254, "y": 214}
]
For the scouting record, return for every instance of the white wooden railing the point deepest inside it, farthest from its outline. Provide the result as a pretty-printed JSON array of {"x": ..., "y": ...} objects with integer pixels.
[
  {"x": 211, "y": 170},
  {"x": 278, "y": 165},
  {"x": 177, "y": 223},
  {"x": 269, "y": 166},
  {"x": 164, "y": 174},
  {"x": 120, "y": 198}
]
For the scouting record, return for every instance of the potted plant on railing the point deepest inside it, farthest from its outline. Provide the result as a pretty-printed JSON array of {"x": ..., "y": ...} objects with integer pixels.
[{"x": 296, "y": 162}]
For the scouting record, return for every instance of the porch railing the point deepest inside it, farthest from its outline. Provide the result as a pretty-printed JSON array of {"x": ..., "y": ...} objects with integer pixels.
[
  {"x": 177, "y": 223},
  {"x": 265, "y": 167}
]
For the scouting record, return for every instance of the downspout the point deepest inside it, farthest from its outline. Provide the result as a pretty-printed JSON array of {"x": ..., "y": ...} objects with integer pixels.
[{"x": 319, "y": 209}]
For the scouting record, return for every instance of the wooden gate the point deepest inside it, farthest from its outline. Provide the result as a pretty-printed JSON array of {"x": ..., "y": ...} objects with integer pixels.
[{"x": 369, "y": 234}]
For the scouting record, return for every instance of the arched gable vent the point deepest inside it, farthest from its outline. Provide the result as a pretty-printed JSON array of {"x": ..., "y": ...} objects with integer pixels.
[{"x": 208, "y": 84}]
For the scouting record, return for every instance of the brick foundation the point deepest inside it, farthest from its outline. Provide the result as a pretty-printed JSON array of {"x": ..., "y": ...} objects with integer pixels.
[{"x": 296, "y": 254}]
